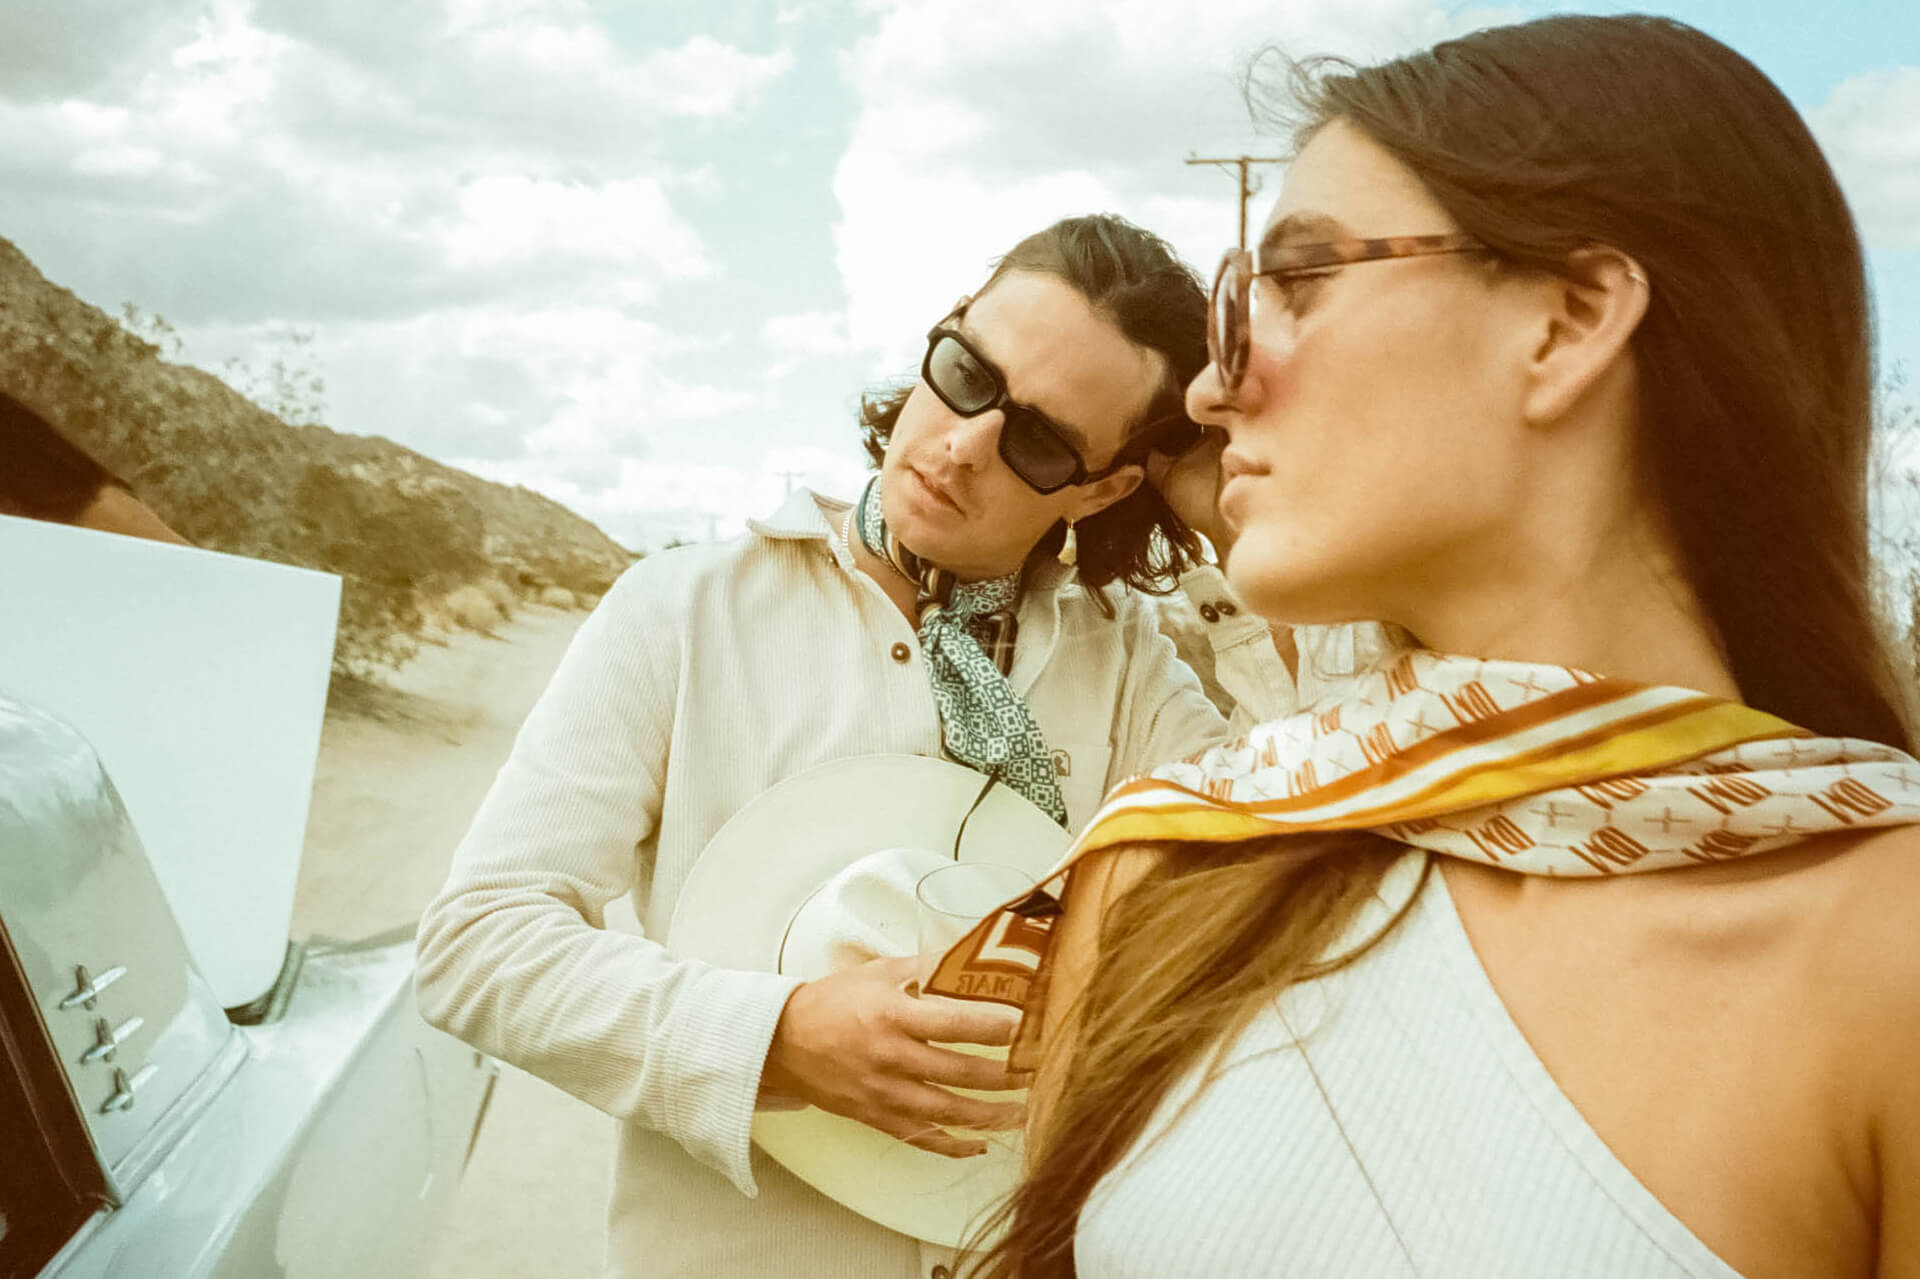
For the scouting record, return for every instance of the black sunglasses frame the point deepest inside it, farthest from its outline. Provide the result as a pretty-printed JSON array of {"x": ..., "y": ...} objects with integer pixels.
[{"x": 1165, "y": 435}]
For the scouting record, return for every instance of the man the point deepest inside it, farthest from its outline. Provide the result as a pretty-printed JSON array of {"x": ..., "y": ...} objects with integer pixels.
[
  {"x": 937, "y": 615},
  {"x": 45, "y": 476}
]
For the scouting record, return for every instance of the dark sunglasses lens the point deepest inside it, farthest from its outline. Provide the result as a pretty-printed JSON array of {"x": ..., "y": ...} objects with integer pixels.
[
  {"x": 958, "y": 378},
  {"x": 1035, "y": 453}
]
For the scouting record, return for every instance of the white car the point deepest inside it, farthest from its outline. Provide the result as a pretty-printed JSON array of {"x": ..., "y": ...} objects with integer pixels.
[
  {"x": 170, "y": 1108},
  {"x": 152, "y": 1135}
]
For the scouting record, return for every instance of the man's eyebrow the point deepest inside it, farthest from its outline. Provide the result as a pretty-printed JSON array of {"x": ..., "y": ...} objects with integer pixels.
[
  {"x": 1304, "y": 228},
  {"x": 1074, "y": 435}
]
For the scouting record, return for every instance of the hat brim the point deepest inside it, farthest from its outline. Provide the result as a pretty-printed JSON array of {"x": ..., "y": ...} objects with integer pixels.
[{"x": 754, "y": 875}]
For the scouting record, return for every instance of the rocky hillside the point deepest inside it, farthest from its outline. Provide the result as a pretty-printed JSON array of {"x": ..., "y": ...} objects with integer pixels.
[{"x": 417, "y": 544}]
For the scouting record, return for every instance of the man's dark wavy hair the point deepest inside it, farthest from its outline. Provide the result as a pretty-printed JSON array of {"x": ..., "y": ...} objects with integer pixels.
[{"x": 1136, "y": 282}]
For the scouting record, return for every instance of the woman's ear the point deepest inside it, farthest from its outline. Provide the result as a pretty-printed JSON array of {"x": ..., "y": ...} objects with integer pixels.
[{"x": 1591, "y": 314}]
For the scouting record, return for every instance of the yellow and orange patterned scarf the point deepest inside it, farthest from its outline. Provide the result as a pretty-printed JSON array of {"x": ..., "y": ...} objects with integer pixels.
[{"x": 1536, "y": 769}]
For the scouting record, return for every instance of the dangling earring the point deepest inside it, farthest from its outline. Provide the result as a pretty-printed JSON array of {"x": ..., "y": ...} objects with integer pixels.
[{"x": 1069, "y": 550}]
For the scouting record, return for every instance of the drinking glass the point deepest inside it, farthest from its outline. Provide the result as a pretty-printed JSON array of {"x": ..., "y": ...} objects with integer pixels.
[{"x": 950, "y": 900}]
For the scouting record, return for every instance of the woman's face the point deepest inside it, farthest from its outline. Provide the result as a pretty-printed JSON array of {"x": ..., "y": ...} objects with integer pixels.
[{"x": 1376, "y": 447}]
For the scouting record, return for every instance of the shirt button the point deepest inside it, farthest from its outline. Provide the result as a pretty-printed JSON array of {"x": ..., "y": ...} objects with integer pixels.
[
  {"x": 1209, "y": 612},
  {"x": 1228, "y": 608},
  {"x": 941, "y": 1272},
  {"x": 901, "y": 653}
]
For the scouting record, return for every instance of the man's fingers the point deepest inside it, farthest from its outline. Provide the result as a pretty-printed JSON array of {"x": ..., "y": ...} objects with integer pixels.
[
  {"x": 897, "y": 971},
  {"x": 955, "y": 1021},
  {"x": 941, "y": 1142},
  {"x": 939, "y": 1065},
  {"x": 927, "y": 1104},
  {"x": 928, "y": 1137}
]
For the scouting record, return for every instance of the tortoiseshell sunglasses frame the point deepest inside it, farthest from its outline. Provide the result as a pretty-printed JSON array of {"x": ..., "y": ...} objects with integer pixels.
[{"x": 1233, "y": 284}]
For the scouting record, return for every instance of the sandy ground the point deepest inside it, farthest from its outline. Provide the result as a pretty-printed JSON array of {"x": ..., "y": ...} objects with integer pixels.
[{"x": 403, "y": 765}]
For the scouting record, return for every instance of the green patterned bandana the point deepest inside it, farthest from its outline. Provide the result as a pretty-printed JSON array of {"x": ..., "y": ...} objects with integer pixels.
[{"x": 985, "y": 724}]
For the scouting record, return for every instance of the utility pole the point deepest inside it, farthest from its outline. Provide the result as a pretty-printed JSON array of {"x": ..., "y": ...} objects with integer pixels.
[
  {"x": 1247, "y": 187},
  {"x": 789, "y": 477}
]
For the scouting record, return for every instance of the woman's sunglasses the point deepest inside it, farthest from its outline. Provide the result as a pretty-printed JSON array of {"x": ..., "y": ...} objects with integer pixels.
[
  {"x": 1033, "y": 446},
  {"x": 1229, "y": 340}
]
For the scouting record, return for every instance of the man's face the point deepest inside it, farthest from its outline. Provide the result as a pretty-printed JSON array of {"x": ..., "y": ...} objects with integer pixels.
[{"x": 947, "y": 495}]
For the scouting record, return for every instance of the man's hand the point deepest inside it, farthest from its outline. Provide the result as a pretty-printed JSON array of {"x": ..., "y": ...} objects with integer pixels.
[
  {"x": 857, "y": 1044},
  {"x": 1190, "y": 484}
]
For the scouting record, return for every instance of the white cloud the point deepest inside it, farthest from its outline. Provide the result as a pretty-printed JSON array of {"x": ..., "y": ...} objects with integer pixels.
[
  {"x": 646, "y": 504},
  {"x": 979, "y": 124},
  {"x": 465, "y": 203},
  {"x": 53, "y": 49},
  {"x": 808, "y": 333},
  {"x": 560, "y": 398},
  {"x": 365, "y": 162},
  {"x": 508, "y": 217},
  {"x": 706, "y": 78},
  {"x": 1870, "y": 129}
]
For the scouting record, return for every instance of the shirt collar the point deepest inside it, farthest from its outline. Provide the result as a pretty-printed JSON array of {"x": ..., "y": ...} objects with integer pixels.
[{"x": 799, "y": 518}]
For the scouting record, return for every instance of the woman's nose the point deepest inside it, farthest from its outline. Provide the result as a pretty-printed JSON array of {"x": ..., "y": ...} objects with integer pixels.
[{"x": 1207, "y": 400}]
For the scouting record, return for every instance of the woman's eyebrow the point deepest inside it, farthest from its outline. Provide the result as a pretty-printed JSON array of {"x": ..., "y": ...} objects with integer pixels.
[{"x": 1305, "y": 227}]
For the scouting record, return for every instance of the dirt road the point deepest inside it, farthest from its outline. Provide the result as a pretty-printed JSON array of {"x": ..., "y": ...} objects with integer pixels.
[{"x": 402, "y": 768}]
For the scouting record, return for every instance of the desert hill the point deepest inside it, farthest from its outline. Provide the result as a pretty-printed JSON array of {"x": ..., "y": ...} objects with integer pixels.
[{"x": 417, "y": 543}]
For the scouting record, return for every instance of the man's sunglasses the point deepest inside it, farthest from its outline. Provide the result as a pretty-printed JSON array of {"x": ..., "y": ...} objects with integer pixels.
[
  {"x": 1229, "y": 341},
  {"x": 1033, "y": 446}
]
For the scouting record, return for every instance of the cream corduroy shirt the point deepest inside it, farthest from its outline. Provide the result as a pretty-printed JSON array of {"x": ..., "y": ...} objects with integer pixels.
[{"x": 706, "y": 675}]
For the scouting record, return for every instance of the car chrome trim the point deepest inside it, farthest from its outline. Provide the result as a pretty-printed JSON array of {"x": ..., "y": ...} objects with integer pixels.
[
  {"x": 126, "y": 1088},
  {"x": 89, "y": 991},
  {"x": 111, "y": 1037}
]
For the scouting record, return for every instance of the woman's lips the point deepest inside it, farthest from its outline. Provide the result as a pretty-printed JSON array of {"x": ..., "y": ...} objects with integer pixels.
[
  {"x": 1236, "y": 472},
  {"x": 1230, "y": 493},
  {"x": 1233, "y": 465}
]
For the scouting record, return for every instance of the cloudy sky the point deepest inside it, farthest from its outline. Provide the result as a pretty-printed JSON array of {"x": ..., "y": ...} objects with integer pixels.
[{"x": 643, "y": 254}]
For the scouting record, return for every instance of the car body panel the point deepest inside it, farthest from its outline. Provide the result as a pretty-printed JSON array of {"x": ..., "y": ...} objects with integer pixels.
[
  {"x": 324, "y": 1141},
  {"x": 76, "y": 892},
  {"x": 200, "y": 679},
  {"x": 330, "y": 1152}
]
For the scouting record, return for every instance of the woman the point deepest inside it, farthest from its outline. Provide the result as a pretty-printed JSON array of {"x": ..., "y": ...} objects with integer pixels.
[{"x": 1555, "y": 353}]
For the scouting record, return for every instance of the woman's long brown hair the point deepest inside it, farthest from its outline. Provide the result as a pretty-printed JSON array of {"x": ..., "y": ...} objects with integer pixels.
[{"x": 1754, "y": 436}]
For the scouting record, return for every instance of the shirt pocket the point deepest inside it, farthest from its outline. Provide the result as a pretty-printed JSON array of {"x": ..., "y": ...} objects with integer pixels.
[{"x": 1080, "y": 769}]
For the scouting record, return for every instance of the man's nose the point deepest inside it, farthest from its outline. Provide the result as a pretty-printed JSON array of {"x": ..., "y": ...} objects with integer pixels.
[{"x": 972, "y": 441}]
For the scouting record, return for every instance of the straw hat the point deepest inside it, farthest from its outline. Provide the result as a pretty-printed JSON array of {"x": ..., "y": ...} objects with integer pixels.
[{"x": 817, "y": 874}]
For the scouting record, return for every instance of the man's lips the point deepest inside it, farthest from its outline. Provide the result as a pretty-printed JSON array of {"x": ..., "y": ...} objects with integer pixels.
[{"x": 939, "y": 494}]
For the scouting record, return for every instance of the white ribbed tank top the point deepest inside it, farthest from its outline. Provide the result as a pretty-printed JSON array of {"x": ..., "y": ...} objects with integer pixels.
[{"x": 1484, "y": 1168}]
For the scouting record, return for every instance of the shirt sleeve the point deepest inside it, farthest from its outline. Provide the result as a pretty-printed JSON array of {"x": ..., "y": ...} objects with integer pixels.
[
  {"x": 1163, "y": 714},
  {"x": 514, "y": 957},
  {"x": 1246, "y": 667}
]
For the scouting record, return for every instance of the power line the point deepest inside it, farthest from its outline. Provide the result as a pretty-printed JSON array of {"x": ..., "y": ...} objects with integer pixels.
[{"x": 1247, "y": 186}]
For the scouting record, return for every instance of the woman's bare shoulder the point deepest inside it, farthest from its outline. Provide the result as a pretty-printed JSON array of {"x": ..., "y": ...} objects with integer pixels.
[
  {"x": 1862, "y": 894},
  {"x": 1871, "y": 988}
]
